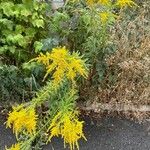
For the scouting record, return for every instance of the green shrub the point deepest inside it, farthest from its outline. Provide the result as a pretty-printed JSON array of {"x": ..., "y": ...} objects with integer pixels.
[
  {"x": 22, "y": 26},
  {"x": 82, "y": 28},
  {"x": 14, "y": 86},
  {"x": 53, "y": 111}
]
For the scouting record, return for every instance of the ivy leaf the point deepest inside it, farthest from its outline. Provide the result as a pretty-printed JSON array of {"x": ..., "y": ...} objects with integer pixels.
[
  {"x": 18, "y": 38},
  {"x": 7, "y": 23},
  {"x": 34, "y": 15},
  {"x": 30, "y": 32},
  {"x": 38, "y": 23},
  {"x": 19, "y": 29},
  {"x": 10, "y": 38},
  {"x": 17, "y": 10},
  {"x": 7, "y": 8},
  {"x": 35, "y": 6},
  {"x": 23, "y": 43},
  {"x": 38, "y": 46},
  {"x": 25, "y": 12}
]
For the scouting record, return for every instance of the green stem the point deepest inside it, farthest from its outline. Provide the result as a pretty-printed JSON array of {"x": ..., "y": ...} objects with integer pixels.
[{"x": 23, "y": 146}]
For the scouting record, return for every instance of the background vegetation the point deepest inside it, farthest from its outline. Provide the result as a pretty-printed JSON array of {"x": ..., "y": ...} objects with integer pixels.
[
  {"x": 127, "y": 75},
  {"x": 23, "y": 25},
  {"x": 26, "y": 30},
  {"x": 107, "y": 42}
]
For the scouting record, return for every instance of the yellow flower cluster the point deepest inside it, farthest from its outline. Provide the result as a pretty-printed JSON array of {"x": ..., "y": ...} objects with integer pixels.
[
  {"x": 105, "y": 16},
  {"x": 104, "y": 2},
  {"x": 69, "y": 127},
  {"x": 120, "y": 3},
  {"x": 101, "y": 2},
  {"x": 124, "y": 3},
  {"x": 21, "y": 118},
  {"x": 14, "y": 147},
  {"x": 62, "y": 64}
]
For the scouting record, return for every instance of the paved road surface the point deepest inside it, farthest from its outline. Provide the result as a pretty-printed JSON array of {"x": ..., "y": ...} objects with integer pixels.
[{"x": 108, "y": 134}]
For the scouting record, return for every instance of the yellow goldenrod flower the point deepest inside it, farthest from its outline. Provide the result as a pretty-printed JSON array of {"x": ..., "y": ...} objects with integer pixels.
[
  {"x": 104, "y": 2},
  {"x": 14, "y": 147},
  {"x": 62, "y": 64},
  {"x": 90, "y": 2},
  {"x": 71, "y": 74},
  {"x": 77, "y": 65},
  {"x": 54, "y": 127},
  {"x": 69, "y": 127},
  {"x": 59, "y": 52},
  {"x": 31, "y": 121},
  {"x": 42, "y": 58},
  {"x": 124, "y": 3},
  {"x": 55, "y": 131},
  {"x": 72, "y": 130},
  {"x": 17, "y": 118},
  {"x": 106, "y": 16},
  {"x": 22, "y": 119}
]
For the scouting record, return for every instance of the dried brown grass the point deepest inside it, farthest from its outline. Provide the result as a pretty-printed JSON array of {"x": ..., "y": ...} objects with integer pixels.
[{"x": 130, "y": 65}]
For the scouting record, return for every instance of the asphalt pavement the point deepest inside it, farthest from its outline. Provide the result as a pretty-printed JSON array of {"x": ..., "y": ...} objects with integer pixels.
[{"x": 106, "y": 134}]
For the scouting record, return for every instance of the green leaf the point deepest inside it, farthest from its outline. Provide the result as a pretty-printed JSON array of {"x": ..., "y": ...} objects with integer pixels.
[
  {"x": 7, "y": 23},
  {"x": 10, "y": 38},
  {"x": 19, "y": 29},
  {"x": 35, "y": 6},
  {"x": 6, "y": 32},
  {"x": 34, "y": 15},
  {"x": 3, "y": 49},
  {"x": 3, "y": 40},
  {"x": 18, "y": 9},
  {"x": 30, "y": 65},
  {"x": 30, "y": 32},
  {"x": 38, "y": 23},
  {"x": 38, "y": 46},
  {"x": 23, "y": 42},
  {"x": 7, "y": 8},
  {"x": 18, "y": 38},
  {"x": 12, "y": 49},
  {"x": 25, "y": 12},
  {"x": 86, "y": 19}
]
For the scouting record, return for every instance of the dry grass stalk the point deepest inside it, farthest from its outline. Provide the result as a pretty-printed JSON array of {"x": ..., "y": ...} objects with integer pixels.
[{"x": 131, "y": 67}]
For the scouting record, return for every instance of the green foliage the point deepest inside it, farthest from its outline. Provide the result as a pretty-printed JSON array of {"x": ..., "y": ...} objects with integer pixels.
[
  {"x": 81, "y": 28},
  {"x": 52, "y": 112},
  {"x": 22, "y": 26},
  {"x": 14, "y": 86}
]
